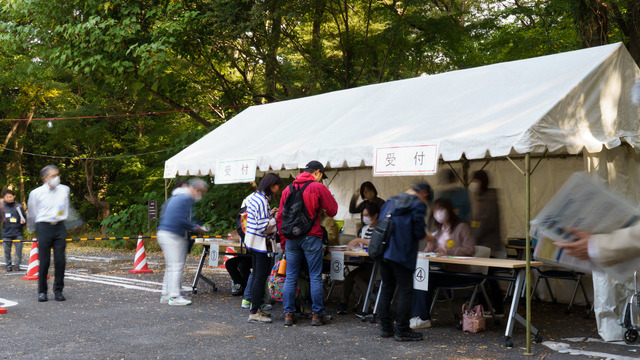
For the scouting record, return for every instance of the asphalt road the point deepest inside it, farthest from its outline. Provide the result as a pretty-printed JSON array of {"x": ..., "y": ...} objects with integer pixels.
[{"x": 113, "y": 314}]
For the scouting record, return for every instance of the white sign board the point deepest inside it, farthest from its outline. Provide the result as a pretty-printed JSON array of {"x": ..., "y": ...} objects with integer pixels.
[
  {"x": 214, "y": 251},
  {"x": 421, "y": 274},
  {"x": 337, "y": 265},
  {"x": 235, "y": 171},
  {"x": 405, "y": 160}
]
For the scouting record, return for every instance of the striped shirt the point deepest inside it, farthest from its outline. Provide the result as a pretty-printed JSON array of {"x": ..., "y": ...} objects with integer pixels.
[{"x": 258, "y": 214}]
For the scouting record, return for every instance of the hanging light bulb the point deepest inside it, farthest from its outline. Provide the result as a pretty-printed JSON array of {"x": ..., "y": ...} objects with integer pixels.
[{"x": 49, "y": 124}]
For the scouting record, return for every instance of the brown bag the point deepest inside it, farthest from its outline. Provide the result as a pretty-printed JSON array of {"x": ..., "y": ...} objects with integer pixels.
[{"x": 473, "y": 320}]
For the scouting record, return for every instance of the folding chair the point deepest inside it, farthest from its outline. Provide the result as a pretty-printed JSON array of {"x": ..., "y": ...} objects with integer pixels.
[{"x": 563, "y": 275}]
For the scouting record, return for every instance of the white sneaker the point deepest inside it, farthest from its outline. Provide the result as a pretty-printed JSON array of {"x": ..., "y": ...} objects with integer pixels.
[
  {"x": 179, "y": 301},
  {"x": 420, "y": 324},
  {"x": 412, "y": 322},
  {"x": 260, "y": 317},
  {"x": 164, "y": 299}
]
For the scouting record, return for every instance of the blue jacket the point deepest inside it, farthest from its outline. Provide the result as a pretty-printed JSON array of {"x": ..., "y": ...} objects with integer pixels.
[
  {"x": 408, "y": 214},
  {"x": 176, "y": 215}
]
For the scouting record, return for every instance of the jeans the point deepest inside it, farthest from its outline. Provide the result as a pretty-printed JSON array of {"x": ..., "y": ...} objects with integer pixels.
[
  {"x": 309, "y": 248},
  {"x": 247, "y": 290},
  {"x": 174, "y": 247},
  {"x": 261, "y": 269},
  {"x": 7, "y": 251},
  {"x": 51, "y": 236},
  {"x": 394, "y": 275}
]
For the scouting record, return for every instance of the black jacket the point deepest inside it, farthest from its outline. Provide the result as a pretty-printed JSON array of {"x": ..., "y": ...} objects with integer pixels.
[{"x": 11, "y": 226}]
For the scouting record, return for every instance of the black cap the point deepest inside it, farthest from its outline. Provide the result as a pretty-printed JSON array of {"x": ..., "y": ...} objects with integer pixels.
[{"x": 316, "y": 165}]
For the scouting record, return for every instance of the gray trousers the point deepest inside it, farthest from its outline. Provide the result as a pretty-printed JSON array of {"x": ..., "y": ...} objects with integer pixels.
[
  {"x": 7, "y": 251},
  {"x": 174, "y": 248}
]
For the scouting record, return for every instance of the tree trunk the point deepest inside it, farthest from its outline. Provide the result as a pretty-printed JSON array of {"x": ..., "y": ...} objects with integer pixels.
[{"x": 102, "y": 206}]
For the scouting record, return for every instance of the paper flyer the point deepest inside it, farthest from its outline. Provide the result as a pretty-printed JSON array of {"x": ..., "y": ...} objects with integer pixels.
[{"x": 582, "y": 203}]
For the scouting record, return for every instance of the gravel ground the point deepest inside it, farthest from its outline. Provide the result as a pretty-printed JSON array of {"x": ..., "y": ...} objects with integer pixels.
[{"x": 104, "y": 321}]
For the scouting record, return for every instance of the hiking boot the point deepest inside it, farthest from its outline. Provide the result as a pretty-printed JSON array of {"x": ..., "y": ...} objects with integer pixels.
[
  {"x": 408, "y": 336},
  {"x": 290, "y": 319},
  {"x": 320, "y": 319},
  {"x": 246, "y": 304},
  {"x": 342, "y": 308},
  {"x": 179, "y": 301},
  {"x": 260, "y": 317}
]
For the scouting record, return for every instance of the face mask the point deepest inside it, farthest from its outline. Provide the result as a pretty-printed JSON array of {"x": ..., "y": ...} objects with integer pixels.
[
  {"x": 53, "y": 182},
  {"x": 198, "y": 197},
  {"x": 366, "y": 220},
  {"x": 474, "y": 187},
  {"x": 441, "y": 216}
]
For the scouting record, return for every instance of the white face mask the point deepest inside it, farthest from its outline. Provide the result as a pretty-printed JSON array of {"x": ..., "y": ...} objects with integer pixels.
[
  {"x": 53, "y": 182},
  {"x": 441, "y": 216},
  {"x": 198, "y": 197},
  {"x": 474, "y": 187},
  {"x": 367, "y": 220}
]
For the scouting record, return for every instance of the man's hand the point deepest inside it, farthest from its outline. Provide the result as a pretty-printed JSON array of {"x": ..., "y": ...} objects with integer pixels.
[{"x": 578, "y": 248}]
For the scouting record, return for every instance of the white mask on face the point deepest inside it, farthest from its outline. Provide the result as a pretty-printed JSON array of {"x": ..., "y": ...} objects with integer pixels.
[
  {"x": 198, "y": 197},
  {"x": 441, "y": 216},
  {"x": 366, "y": 220},
  {"x": 53, "y": 182},
  {"x": 474, "y": 187}
]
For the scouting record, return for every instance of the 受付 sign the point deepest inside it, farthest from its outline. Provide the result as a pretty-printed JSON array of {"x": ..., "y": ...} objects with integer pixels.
[
  {"x": 235, "y": 171},
  {"x": 405, "y": 160}
]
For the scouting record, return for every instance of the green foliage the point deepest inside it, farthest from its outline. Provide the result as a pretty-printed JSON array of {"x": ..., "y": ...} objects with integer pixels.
[
  {"x": 219, "y": 206},
  {"x": 131, "y": 221}
]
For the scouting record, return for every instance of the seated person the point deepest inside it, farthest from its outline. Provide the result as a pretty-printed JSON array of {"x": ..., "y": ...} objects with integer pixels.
[
  {"x": 368, "y": 193},
  {"x": 452, "y": 238},
  {"x": 361, "y": 274}
]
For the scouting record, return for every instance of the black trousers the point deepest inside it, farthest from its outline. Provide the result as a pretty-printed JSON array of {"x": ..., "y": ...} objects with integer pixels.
[
  {"x": 239, "y": 268},
  {"x": 394, "y": 275},
  {"x": 51, "y": 237},
  {"x": 261, "y": 269}
]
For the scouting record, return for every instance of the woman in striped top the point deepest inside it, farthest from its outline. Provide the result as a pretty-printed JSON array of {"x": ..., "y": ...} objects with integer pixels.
[{"x": 261, "y": 230}]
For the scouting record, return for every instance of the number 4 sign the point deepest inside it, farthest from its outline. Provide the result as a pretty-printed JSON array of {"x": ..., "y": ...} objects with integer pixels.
[{"x": 421, "y": 274}]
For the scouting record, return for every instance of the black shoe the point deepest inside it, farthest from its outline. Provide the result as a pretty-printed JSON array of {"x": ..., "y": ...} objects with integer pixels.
[
  {"x": 408, "y": 336},
  {"x": 342, "y": 308},
  {"x": 59, "y": 296},
  {"x": 9, "y": 268},
  {"x": 42, "y": 297},
  {"x": 386, "y": 333}
]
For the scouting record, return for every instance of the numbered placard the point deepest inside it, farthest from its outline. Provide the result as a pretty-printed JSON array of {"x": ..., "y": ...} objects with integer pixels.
[
  {"x": 214, "y": 251},
  {"x": 337, "y": 265},
  {"x": 421, "y": 274}
]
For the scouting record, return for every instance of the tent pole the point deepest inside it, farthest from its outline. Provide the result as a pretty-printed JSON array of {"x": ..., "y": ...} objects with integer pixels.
[
  {"x": 166, "y": 186},
  {"x": 527, "y": 283}
]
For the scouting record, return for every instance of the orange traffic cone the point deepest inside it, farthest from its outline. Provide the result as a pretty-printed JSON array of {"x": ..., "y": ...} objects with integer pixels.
[
  {"x": 140, "y": 261},
  {"x": 34, "y": 262},
  {"x": 229, "y": 250}
]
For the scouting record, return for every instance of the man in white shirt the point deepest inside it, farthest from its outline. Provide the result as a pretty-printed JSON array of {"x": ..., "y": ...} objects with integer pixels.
[{"x": 48, "y": 207}]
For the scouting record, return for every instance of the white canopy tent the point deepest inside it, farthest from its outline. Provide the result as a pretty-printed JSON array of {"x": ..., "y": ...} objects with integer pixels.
[{"x": 575, "y": 104}]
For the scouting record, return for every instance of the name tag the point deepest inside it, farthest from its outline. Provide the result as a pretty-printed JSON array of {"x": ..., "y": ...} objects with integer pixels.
[
  {"x": 13, "y": 220},
  {"x": 7, "y": 215}
]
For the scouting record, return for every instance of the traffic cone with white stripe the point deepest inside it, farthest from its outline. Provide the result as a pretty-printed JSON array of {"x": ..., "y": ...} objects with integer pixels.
[
  {"x": 140, "y": 261},
  {"x": 33, "y": 272},
  {"x": 229, "y": 250}
]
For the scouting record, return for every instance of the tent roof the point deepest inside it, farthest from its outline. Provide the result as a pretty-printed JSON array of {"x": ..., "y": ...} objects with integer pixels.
[{"x": 564, "y": 102}]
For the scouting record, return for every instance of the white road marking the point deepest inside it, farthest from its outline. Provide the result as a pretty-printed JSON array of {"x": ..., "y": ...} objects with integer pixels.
[
  {"x": 127, "y": 283},
  {"x": 7, "y": 303},
  {"x": 565, "y": 348},
  {"x": 637, "y": 345},
  {"x": 90, "y": 258}
]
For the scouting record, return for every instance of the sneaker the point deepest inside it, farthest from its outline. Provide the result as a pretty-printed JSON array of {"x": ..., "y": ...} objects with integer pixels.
[
  {"x": 408, "y": 336},
  {"x": 342, "y": 309},
  {"x": 236, "y": 290},
  {"x": 9, "y": 268},
  {"x": 413, "y": 321},
  {"x": 489, "y": 314},
  {"x": 164, "y": 299},
  {"x": 420, "y": 324},
  {"x": 320, "y": 319},
  {"x": 179, "y": 301},
  {"x": 266, "y": 307},
  {"x": 290, "y": 319},
  {"x": 260, "y": 317},
  {"x": 246, "y": 304}
]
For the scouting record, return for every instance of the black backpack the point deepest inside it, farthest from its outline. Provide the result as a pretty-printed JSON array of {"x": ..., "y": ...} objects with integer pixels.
[
  {"x": 381, "y": 235},
  {"x": 296, "y": 221}
]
